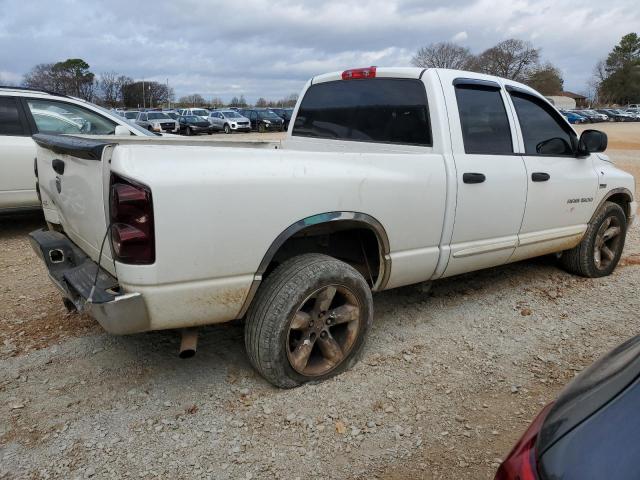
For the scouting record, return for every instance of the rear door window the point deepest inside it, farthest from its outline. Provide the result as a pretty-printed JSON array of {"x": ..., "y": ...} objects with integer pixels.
[
  {"x": 485, "y": 126},
  {"x": 384, "y": 110},
  {"x": 10, "y": 123}
]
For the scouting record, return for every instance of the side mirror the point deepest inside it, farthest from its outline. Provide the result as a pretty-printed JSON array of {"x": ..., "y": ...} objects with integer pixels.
[
  {"x": 122, "y": 131},
  {"x": 592, "y": 141},
  {"x": 554, "y": 146}
]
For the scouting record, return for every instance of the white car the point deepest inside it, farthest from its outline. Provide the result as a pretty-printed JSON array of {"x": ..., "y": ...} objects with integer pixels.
[
  {"x": 198, "y": 112},
  {"x": 229, "y": 121},
  {"x": 387, "y": 177},
  {"x": 24, "y": 112}
]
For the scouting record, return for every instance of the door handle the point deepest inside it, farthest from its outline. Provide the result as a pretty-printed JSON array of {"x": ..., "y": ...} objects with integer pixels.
[
  {"x": 58, "y": 166},
  {"x": 540, "y": 177},
  {"x": 473, "y": 177}
]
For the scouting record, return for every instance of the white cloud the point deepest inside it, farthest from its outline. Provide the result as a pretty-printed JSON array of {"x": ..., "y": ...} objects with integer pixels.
[
  {"x": 460, "y": 37},
  {"x": 270, "y": 47}
]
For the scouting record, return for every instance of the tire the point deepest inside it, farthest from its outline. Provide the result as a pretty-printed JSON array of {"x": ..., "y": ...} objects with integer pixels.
[
  {"x": 290, "y": 312},
  {"x": 227, "y": 129},
  {"x": 188, "y": 132},
  {"x": 589, "y": 258},
  {"x": 261, "y": 128}
]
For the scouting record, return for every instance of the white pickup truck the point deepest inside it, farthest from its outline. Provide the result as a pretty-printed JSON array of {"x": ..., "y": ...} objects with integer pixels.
[{"x": 387, "y": 177}]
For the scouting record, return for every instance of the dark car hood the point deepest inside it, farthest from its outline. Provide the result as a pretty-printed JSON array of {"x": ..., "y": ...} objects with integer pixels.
[
  {"x": 590, "y": 391},
  {"x": 203, "y": 123}
]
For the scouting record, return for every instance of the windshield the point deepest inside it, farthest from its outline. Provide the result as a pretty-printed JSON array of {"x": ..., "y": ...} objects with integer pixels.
[
  {"x": 200, "y": 112},
  {"x": 231, "y": 114},
  {"x": 131, "y": 115},
  {"x": 192, "y": 118},
  {"x": 158, "y": 116}
]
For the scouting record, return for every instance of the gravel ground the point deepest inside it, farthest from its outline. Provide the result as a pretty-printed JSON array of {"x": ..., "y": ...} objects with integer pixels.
[{"x": 450, "y": 378}]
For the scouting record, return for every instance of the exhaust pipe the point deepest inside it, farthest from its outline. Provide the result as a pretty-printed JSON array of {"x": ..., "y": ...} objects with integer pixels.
[{"x": 188, "y": 342}]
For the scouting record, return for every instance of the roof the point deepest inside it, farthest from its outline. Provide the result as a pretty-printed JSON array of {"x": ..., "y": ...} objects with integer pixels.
[{"x": 575, "y": 96}]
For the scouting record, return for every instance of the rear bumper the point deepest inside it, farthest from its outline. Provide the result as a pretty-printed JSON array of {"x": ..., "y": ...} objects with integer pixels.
[{"x": 73, "y": 273}]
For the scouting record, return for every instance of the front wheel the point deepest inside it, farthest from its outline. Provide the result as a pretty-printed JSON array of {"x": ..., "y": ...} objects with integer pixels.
[
  {"x": 598, "y": 253},
  {"x": 309, "y": 321},
  {"x": 261, "y": 128},
  {"x": 227, "y": 129},
  {"x": 188, "y": 132}
]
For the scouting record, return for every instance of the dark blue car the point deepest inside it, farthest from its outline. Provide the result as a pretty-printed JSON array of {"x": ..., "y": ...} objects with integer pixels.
[{"x": 592, "y": 430}]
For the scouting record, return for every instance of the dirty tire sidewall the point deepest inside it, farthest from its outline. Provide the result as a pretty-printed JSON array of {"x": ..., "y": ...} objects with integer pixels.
[
  {"x": 579, "y": 260},
  {"x": 277, "y": 300}
]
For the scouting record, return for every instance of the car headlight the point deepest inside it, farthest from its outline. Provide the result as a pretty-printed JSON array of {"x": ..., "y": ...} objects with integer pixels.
[{"x": 267, "y": 122}]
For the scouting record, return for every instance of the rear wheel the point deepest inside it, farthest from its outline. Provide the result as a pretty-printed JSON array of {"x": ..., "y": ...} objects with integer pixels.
[
  {"x": 598, "y": 253},
  {"x": 309, "y": 321}
]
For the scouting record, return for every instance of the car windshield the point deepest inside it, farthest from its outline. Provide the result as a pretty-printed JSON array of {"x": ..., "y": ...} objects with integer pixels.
[
  {"x": 131, "y": 115},
  {"x": 192, "y": 118},
  {"x": 231, "y": 114},
  {"x": 268, "y": 115},
  {"x": 158, "y": 116},
  {"x": 200, "y": 112}
]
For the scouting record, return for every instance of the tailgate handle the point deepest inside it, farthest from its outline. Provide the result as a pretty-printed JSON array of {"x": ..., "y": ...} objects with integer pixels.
[{"x": 58, "y": 166}]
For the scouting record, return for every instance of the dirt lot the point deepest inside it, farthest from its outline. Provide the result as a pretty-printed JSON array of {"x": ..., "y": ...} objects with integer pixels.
[{"x": 450, "y": 378}]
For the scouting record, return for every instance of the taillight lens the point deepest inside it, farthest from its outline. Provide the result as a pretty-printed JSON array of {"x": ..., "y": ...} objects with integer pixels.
[
  {"x": 521, "y": 463},
  {"x": 359, "y": 73},
  {"x": 131, "y": 212}
]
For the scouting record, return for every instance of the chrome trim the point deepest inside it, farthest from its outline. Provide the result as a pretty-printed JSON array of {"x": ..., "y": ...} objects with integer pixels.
[{"x": 368, "y": 220}]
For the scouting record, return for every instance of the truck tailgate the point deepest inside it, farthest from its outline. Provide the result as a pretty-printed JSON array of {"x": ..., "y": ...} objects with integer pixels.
[{"x": 73, "y": 179}]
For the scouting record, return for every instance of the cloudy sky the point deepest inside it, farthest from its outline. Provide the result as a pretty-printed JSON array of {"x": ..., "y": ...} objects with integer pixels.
[{"x": 270, "y": 47}]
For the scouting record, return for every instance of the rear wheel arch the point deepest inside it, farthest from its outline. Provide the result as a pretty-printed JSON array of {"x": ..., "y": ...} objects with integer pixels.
[{"x": 348, "y": 236}]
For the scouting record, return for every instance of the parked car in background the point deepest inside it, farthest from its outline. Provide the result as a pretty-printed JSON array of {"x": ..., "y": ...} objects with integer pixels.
[
  {"x": 24, "y": 112},
  {"x": 194, "y": 124},
  {"x": 374, "y": 187},
  {"x": 592, "y": 116},
  {"x": 199, "y": 112},
  {"x": 285, "y": 114},
  {"x": 591, "y": 431},
  {"x": 635, "y": 114},
  {"x": 229, "y": 121},
  {"x": 172, "y": 113},
  {"x": 157, "y": 122},
  {"x": 573, "y": 117},
  {"x": 634, "y": 106},
  {"x": 131, "y": 115},
  {"x": 614, "y": 115},
  {"x": 263, "y": 120}
]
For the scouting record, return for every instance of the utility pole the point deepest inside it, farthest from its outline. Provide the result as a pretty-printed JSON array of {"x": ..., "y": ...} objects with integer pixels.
[
  {"x": 168, "y": 96},
  {"x": 143, "y": 104}
]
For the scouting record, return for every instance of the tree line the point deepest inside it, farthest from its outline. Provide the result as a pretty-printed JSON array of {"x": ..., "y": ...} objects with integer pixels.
[
  {"x": 111, "y": 89},
  {"x": 616, "y": 79}
]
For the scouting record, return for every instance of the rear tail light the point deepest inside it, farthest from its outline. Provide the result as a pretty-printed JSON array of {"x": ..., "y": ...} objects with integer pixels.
[
  {"x": 522, "y": 461},
  {"x": 131, "y": 213},
  {"x": 359, "y": 73}
]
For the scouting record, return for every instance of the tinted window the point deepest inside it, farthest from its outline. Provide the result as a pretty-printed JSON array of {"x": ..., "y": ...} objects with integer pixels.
[
  {"x": 59, "y": 117},
  {"x": 387, "y": 110},
  {"x": 485, "y": 126},
  {"x": 540, "y": 123},
  {"x": 9, "y": 117}
]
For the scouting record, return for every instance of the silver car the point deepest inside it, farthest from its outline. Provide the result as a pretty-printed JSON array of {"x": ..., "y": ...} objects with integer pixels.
[
  {"x": 157, "y": 122},
  {"x": 229, "y": 120}
]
